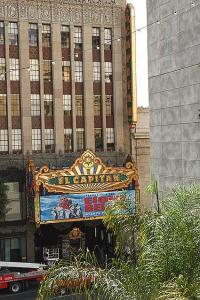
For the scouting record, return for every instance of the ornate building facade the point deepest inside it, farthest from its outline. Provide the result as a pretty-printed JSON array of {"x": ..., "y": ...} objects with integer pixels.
[{"x": 62, "y": 90}]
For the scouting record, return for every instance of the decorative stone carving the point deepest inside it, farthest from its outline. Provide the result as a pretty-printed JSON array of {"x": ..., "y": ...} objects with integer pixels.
[
  {"x": 12, "y": 10},
  {"x": 2, "y": 9},
  {"x": 87, "y": 15},
  {"x": 76, "y": 14},
  {"x": 33, "y": 12},
  {"x": 23, "y": 10},
  {"x": 117, "y": 16},
  {"x": 65, "y": 14},
  {"x": 96, "y": 16},
  {"x": 108, "y": 17},
  {"x": 99, "y": 12}
]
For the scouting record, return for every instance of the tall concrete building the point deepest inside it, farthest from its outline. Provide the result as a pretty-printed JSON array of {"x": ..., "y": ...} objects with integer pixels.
[
  {"x": 62, "y": 90},
  {"x": 174, "y": 91}
]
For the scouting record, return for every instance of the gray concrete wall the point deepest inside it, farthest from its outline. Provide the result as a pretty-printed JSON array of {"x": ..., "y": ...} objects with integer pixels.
[{"x": 174, "y": 90}]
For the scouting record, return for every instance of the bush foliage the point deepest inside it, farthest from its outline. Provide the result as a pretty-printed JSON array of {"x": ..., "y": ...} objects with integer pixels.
[{"x": 158, "y": 254}]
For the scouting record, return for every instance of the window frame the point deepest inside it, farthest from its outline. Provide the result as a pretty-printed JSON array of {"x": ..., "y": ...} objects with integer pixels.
[
  {"x": 3, "y": 105},
  {"x": 17, "y": 140},
  {"x": 35, "y": 105},
  {"x": 78, "y": 38},
  {"x": 36, "y": 140},
  {"x": 65, "y": 36},
  {"x": 13, "y": 33},
  {"x": 14, "y": 69},
  {"x": 48, "y": 103},
  {"x": 34, "y": 70},
  {"x": 3, "y": 140},
  {"x": 81, "y": 142},
  {"x": 33, "y": 35},
  {"x": 78, "y": 71},
  {"x": 47, "y": 70},
  {"x": 15, "y": 105},
  {"x": 46, "y": 35},
  {"x": 68, "y": 133},
  {"x": 67, "y": 105},
  {"x": 49, "y": 140}
]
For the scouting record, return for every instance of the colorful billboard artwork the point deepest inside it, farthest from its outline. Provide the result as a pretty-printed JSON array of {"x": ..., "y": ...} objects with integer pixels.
[{"x": 78, "y": 206}]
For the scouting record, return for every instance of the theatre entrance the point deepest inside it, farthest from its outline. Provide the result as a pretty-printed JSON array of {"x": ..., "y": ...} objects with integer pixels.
[
  {"x": 64, "y": 240},
  {"x": 68, "y": 205}
]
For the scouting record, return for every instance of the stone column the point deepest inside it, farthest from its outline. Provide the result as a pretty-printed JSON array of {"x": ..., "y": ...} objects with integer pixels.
[
  {"x": 88, "y": 88},
  {"x": 117, "y": 89},
  {"x": 103, "y": 90},
  {"x": 57, "y": 88},
  {"x": 41, "y": 87},
  {"x": 73, "y": 88},
  {"x": 8, "y": 90},
  {"x": 25, "y": 87}
]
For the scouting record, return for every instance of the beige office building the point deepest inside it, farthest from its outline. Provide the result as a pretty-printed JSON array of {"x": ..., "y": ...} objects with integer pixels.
[{"x": 62, "y": 90}]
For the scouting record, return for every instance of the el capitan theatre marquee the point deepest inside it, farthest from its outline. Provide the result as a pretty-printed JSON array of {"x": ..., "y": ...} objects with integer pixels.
[{"x": 82, "y": 191}]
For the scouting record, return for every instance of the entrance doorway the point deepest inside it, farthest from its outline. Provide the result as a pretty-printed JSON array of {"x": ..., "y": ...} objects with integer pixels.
[{"x": 72, "y": 238}]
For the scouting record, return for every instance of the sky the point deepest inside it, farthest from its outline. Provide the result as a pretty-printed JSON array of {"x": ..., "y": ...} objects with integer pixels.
[{"x": 141, "y": 53}]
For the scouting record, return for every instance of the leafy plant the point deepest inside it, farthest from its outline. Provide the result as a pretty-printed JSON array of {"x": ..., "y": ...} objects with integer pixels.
[{"x": 158, "y": 253}]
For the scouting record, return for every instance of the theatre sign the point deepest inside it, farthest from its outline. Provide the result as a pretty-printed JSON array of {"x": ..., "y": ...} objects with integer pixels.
[{"x": 83, "y": 190}]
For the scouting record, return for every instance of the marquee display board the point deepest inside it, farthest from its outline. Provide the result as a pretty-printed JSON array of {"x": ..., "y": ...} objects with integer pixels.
[{"x": 82, "y": 191}]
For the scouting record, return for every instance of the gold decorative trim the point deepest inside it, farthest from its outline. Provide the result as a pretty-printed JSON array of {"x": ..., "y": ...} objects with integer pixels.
[{"x": 87, "y": 174}]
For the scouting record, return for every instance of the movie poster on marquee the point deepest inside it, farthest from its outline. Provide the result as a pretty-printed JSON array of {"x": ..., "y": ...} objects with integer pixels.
[{"x": 78, "y": 206}]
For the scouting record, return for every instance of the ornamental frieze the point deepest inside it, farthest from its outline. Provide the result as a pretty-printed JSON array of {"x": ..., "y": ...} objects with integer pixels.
[
  {"x": 87, "y": 174},
  {"x": 100, "y": 12}
]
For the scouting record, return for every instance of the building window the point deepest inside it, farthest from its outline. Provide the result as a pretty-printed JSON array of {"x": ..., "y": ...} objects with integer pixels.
[
  {"x": 46, "y": 35},
  {"x": 34, "y": 70},
  {"x": 36, "y": 139},
  {"x": 96, "y": 71},
  {"x": 65, "y": 37},
  {"x": 79, "y": 105},
  {"x": 108, "y": 72},
  {"x": 49, "y": 140},
  {"x": 3, "y": 140},
  {"x": 78, "y": 37},
  {"x": 67, "y": 105},
  {"x": 2, "y": 68},
  {"x": 68, "y": 139},
  {"x": 110, "y": 138},
  {"x": 97, "y": 106},
  {"x": 80, "y": 139},
  {"x": 109, "y": 105},
  {"x": 48, "y": 105},
  {"x": 107, "y": 39},
  {"x": 47, "y": 70},
  {"x": 98, "y": 139},
  {"x": 96, "y": 38},
  {"x": 66, "y": 71},
  {"x": 15, "y": 105},
  {"x": 35, "y": 105},
  {"x": 33, "y": 35},
  {"x": 13, "y": 249},
  {"x": 78, "y": 71},
  {"x": 13, "y": 33},
  {"x": 3, "y": 102},
  {"x": 14, "y": 69},
  {"x": 16, "y": 140},
  {"x": 2, "y": 36},
  {"x": 14, "y": 207}
]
